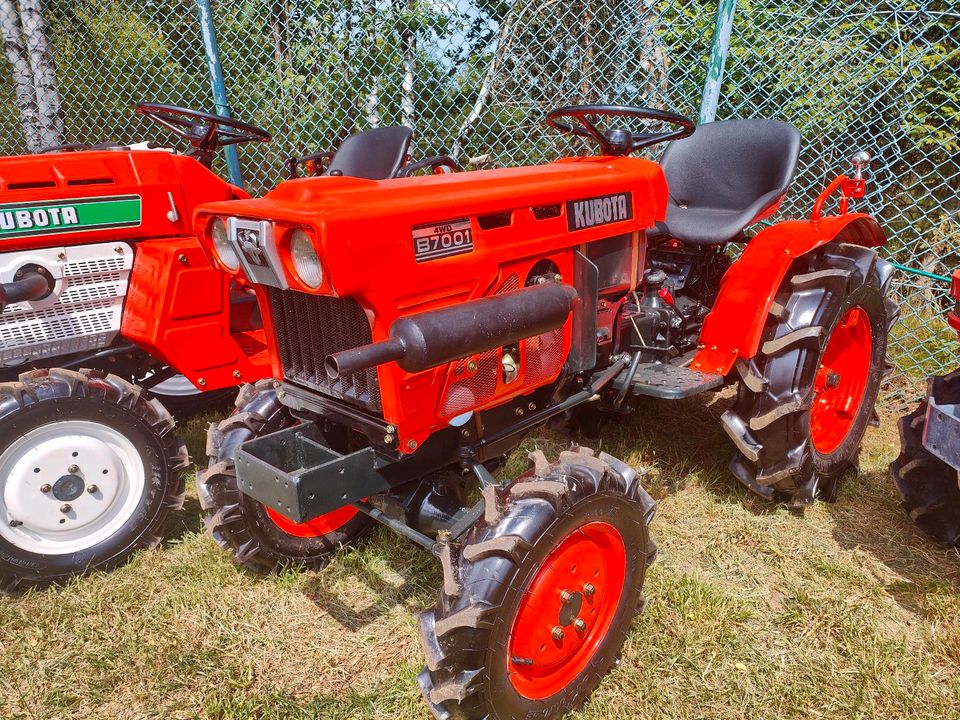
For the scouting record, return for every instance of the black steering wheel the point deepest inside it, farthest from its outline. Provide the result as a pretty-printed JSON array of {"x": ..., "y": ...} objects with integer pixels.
[
  {"x": 204, "y": 131},
  {"x": 617, "y": 141}
]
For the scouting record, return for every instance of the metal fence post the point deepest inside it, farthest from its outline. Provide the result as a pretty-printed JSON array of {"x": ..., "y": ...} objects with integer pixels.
[
  {"x": 718, "y": 58},
  {"x": 215, "y": 70}
]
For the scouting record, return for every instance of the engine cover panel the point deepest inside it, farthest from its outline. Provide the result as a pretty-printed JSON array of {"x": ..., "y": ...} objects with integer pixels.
[{"x": 82, "y": 313}]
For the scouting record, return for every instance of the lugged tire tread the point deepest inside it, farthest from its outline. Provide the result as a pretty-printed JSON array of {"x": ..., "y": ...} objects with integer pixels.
[
  {"x": 455, "y": 629},
  {"x": 45, "y": 384},
  {"x": 927, "y": 485},
  {"x": 257, "y": 411},
  {"x": 774, "y": 453}
]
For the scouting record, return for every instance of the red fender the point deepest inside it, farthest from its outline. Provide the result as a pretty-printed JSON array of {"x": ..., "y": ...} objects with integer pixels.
[
  {"x": 734, "y": 327},
  {"x": 953, "y": 317}
]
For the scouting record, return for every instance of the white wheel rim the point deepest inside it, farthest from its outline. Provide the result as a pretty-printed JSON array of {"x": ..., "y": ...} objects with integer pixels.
[
  {"x": 67, "y": 486},
  {"x": 176, "y": 386}
]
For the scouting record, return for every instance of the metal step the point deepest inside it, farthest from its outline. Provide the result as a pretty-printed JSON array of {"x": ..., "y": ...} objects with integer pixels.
[{"x": 672, "y": 382}]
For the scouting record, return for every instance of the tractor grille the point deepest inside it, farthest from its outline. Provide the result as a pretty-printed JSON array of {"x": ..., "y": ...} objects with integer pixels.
[{"x": 310, "y": 327}]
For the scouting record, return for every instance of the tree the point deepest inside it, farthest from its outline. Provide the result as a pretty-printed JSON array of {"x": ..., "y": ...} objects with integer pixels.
[{"x": 29, "y": 53}]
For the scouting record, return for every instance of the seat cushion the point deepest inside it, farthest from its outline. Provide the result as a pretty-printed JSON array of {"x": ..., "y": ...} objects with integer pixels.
[
  {"x": 701, "y": 226},
  {"x": 726, "y": 176}
]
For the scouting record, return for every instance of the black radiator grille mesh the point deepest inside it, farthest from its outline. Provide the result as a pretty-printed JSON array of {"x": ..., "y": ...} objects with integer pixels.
[{"x": 310, "y": 327}]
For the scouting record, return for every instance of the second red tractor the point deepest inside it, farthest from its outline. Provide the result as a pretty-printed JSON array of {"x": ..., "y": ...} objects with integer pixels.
[{"x": 925, "y": 472}]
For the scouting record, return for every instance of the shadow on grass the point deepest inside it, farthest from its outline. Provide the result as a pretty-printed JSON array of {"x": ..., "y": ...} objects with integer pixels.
[
  {"x": 391, "y": 573},
  {"x": 871, "y": 519},
  {"x": 186, "y": 521},
  {"x": 679, "y": 439},
  {"x": 353, "y": 618}
]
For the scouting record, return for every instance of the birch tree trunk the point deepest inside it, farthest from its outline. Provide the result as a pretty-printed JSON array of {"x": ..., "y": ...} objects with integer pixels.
[
  {"x": 405, "y": 10},
  {"x": 502, "y": 49},
  {"x": 372, "y": 104},
  {"x": 655, "y": 62},
  {"x": 16, "y": 54},
  {"x": 44, "y": 73}
]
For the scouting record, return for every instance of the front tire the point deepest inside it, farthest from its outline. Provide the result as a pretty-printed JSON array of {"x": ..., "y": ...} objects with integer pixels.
[
  {"x": 89, "y": 471},
  {"x": 928, "y": 486},
  {"x": 258, "y": 537},
  {"x": 538, "y": 600},
  {"x": 806, "y": 399}
]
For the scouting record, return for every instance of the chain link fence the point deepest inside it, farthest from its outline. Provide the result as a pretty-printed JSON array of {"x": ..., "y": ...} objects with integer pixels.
[{"x": 474, "y": 77}]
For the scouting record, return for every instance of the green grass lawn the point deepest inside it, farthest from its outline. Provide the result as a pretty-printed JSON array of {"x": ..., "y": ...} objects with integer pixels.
[{"x": 752, "y": 612}]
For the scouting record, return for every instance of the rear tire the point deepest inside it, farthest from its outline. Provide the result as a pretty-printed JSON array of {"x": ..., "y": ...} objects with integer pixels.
[
  {"x": 805, "y": 400},
  {"x": 580, "y": 520},
  {"x": 256, "y": 537},
  {"x": 929, "y": 486},
  {"x": 89, "y": 471}
]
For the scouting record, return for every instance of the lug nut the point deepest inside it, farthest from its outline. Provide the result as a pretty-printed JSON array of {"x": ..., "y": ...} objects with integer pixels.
[
  {"x": 589, "y": 590},
  {"x": 557, "y": 633},
  {"x": 565, "y": 596},
  {"x": 92, "y": 489},
  {"x": 46, "y": 487},
  {"x": 65, "y": 508},
  {"x": 73, "y": 469},
  {"x": 833, "y": 379},
  {"x": 579, "y": 625}
]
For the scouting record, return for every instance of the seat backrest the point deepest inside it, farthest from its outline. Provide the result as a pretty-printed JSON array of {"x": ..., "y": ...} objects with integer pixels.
[
  {"x": 731, "y": 164},
  {"x": 374, "y": 154}
]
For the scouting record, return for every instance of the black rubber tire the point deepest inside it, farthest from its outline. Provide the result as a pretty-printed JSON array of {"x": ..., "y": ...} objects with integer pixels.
[
  {"x": 929, "y": 487},
  {"x": 239, "y": 524},
  {"x": 770, "y": 423},
  {"x": 465, "y": 636},
  {"x": 43, "y": 396}
]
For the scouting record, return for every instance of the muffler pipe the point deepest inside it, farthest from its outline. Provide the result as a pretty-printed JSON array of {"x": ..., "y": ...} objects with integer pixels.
[
  {"x": 32, "y": 286},
  {"x": 436, "y": 337}
]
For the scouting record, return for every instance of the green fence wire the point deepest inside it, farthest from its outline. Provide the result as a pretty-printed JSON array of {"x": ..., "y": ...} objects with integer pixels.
[{"x": 474, "y": 77}]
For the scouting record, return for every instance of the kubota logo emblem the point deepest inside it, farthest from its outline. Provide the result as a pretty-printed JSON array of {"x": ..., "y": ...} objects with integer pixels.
[
  {"x": 78, "y": 215},
  {"x": 601, "y": 210}
]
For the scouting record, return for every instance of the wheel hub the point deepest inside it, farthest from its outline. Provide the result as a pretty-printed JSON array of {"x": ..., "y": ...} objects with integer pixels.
[
  {"x": 68, "y": 485},
  {"x": 567, "y": 610},
  {"x": 841, "y": 381}
]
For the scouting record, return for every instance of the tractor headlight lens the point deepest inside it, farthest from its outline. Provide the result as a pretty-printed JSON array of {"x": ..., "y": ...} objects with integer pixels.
[
  {"x": 221, "y": 241},
  {"x": 305, "y": 259}
]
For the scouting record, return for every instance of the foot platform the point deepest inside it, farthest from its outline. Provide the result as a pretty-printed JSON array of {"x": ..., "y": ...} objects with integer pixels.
[{"x": 672, "y": 382}]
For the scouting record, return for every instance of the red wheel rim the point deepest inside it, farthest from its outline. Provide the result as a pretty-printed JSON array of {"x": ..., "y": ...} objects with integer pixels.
[
  {"x": 841, "y": 381},
  {"x": 567, "y": 611},
  {"x": 323, "y": 525}
]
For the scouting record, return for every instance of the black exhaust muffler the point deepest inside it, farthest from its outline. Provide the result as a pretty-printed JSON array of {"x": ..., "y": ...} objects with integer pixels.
[{"x": 435, "y": 337}]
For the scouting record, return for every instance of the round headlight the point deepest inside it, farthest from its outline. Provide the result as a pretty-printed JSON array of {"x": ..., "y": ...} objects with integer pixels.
[
  {"x": 305, "y": 259},
  {"x": 221, "y": 241}
]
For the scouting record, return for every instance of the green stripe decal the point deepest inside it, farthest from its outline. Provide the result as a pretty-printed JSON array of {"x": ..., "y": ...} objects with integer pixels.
[{"x": 79, "y": 215}]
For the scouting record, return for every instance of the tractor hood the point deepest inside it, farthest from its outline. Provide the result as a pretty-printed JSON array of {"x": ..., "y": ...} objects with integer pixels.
[
  {"x": 367, "y": 231},
  {"x": 128, "y": 195}
]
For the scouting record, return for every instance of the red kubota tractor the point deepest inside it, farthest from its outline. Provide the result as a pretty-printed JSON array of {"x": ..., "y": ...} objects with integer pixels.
[
  {"x": 109, "y": 311},
  {"x": 925, "y": 472},
  {"x": 111, "y": 315},
  {"x": 420, "y": 327}
]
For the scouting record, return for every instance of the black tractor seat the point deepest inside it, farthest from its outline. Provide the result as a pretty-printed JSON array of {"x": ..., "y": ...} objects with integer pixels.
[
  {"x": 374, "y": 154},
  {"x": 725, "y": 177}
]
